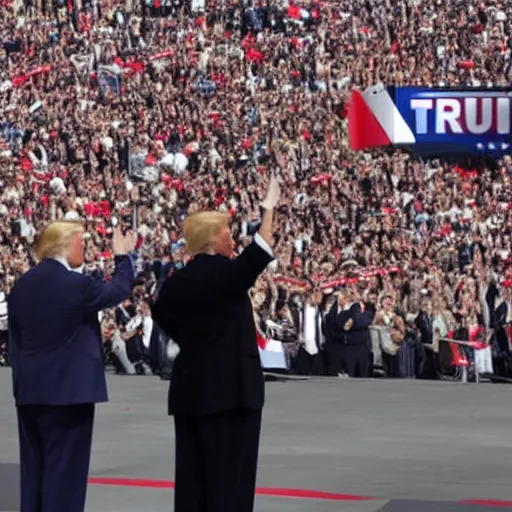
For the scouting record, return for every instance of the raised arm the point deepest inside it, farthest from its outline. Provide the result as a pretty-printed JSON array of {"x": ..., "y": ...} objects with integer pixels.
[
  {"x": 337, "y": 318},
  {"x": 95, "y": 295},
  {"x": 245, "y": 269}
]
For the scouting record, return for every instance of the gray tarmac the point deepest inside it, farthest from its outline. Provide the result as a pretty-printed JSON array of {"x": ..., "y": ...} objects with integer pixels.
[{"x": 410, "y": 446}]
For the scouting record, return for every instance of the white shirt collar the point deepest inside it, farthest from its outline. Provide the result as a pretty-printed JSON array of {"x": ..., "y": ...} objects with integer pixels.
[{"x": 64, "y": 261}]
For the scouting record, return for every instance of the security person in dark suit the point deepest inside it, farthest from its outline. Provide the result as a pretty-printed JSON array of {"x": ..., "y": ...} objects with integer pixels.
[
  {"x": 336, "y": 336},
  {"x": 56, "y": 355},
  {"x": 217, "y": 391},
  {"x": 356, "y": 350},
  {"x": 348, "y": 335}
]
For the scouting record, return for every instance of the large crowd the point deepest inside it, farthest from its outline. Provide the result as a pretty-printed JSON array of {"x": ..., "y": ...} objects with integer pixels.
[{"x": 138, "y": 113}]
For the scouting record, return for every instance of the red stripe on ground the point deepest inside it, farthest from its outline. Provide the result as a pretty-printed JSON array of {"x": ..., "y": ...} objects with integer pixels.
[
  {"x": 132, "y": 482},
  {"x": 307, "y": 494},
  {"x": 276, "y": 492},
  {"x": 261, "y": 491},
  {"x": 487, "y": 503}
]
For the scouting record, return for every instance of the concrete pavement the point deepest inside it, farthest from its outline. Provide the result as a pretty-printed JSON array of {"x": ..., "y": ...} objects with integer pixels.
[{"x": 394, "y": 440}]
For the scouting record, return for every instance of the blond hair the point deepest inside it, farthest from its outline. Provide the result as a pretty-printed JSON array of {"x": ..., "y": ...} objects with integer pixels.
[
  {"x": 200, "y": 228},
  {"x": 54, "y": 239}
]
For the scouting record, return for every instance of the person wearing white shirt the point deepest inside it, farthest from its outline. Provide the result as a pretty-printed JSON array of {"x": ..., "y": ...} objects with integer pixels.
[{"x": 310, "y": 355}]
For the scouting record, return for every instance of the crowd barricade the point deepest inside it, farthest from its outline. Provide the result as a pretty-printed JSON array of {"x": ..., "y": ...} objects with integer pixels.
[{"x": 460, "y": 360}]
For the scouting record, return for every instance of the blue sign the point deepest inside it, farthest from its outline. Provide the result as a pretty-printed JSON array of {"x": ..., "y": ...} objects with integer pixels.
[
  {"x": 468, "y": 121},
  {"x": 457, "y": 120}
]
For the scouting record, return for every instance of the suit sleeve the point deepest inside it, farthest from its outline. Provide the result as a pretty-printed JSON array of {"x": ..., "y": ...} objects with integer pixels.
[
  {"x": 159, "y": 310},
  {"x": 362, "y": 319},
  {"x": 97, "y": 296},
  {"x": 334, "y": 322},
  {"x": 242, "y": 272},
  {"x": 335, "y": 319},
  {"x": 342, "y": 318},
  {"x": 13, "y": 346},
  {"x": 330, "y": 318}
]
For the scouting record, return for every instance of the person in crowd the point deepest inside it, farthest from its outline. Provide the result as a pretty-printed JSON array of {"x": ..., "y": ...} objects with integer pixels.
[
  {"x": 357, "y": 345},
  {"x": 4, "y": 330},
  {"x": 56, "y": 353},
  {"x": 217, "y": 390},
  {"x": 394, "y": 325},
  {"x": 336, "y": 325},
  {"x": 503, "y": 331},
  {"x": 424, "y": 325},
  {"x": 310, "y": 358}
]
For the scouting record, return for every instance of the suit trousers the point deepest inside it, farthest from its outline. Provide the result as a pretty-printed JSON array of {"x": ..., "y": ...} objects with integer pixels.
[
  {"x": 308, "y": 364},
  {"x": 356, "y": 359},
  {"x": 55, "y": 450},
  {"x": 336, "y": 359},
  {"x": 216, "y": 461}
]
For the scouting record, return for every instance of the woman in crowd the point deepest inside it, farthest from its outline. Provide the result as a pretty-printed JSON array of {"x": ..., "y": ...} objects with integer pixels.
[{"x": 394, "y": 327}]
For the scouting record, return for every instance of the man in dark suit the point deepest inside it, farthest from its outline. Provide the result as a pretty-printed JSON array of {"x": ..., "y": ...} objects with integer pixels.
[
  {"x": 357, "y": 348},
  {"x": 335, "y": 334},
  {"x": 347, "y": 332},
  {"x": 57, "y": 364},
  {"x": 217, "y": 390}
]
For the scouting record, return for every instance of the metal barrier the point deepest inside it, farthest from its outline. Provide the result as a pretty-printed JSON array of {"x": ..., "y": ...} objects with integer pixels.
[{"x": 475, "y": 346}]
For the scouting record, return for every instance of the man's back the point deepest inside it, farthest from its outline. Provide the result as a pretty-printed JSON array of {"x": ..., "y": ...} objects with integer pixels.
[
  {"x": 55, "y": 338},
  {"x": 206, "y": 310},
  {"x": 49, "y": 295}
]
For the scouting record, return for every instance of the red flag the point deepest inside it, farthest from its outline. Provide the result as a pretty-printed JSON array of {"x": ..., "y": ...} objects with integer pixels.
[
  {"x": 260, "y": 340},
  {"x": 364, "y": 130}
]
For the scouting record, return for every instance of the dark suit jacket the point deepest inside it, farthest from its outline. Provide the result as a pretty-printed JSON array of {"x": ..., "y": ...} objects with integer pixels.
[
  {"x": 206, "y": 310},
  {"x": 55, "y": 339},
  {"x": 424, "y": 325},
  {"x": 358, "y": 334},
  {"x": 334, "y": 325}
]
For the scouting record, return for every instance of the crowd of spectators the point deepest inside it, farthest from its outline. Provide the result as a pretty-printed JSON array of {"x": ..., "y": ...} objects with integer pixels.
[{"x": 143, "y": 111}]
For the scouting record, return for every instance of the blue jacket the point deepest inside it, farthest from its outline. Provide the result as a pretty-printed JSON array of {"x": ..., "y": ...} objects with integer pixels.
[{"x": 55, "y": 343}]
